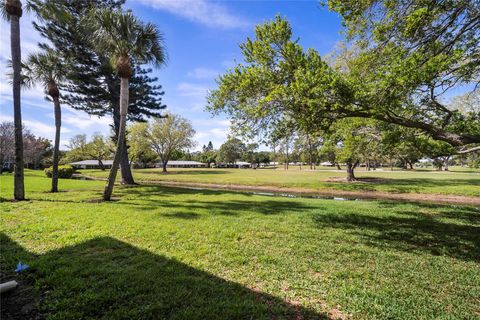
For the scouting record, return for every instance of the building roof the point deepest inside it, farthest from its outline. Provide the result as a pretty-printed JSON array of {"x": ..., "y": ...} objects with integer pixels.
[
  {"x": 184, "y": 163},
  {"x": 326, "y": 163},
  {"x": 242, "y": 163},
  {"x": 91, "y": 163}
]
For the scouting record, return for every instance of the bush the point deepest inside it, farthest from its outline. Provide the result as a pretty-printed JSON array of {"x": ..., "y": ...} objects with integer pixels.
[{"x": 64, "y": 172}]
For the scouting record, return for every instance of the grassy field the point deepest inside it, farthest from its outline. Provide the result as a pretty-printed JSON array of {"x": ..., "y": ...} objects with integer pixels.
[
  {"x": 166, "y": 253},
  {"x": 458, "y": 182}
]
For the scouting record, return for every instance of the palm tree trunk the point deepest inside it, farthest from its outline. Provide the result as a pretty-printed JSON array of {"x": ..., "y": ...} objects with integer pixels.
[
  {"x": 19, "y": 187},
  {"x": 107, "y": 194},
  {"x": 56, "y": 148},
  {"x": 125, "y": 169}
]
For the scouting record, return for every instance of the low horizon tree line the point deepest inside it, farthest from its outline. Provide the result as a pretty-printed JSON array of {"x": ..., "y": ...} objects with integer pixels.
[{"x": 393, "y": 73}]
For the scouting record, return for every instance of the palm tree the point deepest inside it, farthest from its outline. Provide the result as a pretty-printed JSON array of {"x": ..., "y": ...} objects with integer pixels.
[
  {"x": 47, "y": 68},
  {"x": 126, "y": 40},
  {"x": 12, "y": 11}
]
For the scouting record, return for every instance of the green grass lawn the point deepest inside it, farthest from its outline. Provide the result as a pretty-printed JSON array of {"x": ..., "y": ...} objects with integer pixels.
[
  {"x": 167, "y": 253},
  {"x": 459, "y": 182}
]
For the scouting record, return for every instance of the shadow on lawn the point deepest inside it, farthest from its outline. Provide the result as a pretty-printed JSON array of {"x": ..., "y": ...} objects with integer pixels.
[
  {"x": 110, "y": 279},
  {"x": 403, "y": 185},
  {"x": 409, "y": 230},
  {"x": 437, "y": 229},
  {"x": 187, "y": 207}
]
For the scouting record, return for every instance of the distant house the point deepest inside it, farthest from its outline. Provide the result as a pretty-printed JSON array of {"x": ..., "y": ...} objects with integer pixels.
[
  {"x": 182, "y": 164},
  {"x": 327, "y": 164},
  {"x": 238, "y": 164},
  {"x": 91, "y": 164}
]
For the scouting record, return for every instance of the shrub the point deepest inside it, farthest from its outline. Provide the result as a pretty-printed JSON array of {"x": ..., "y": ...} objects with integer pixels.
[{"x": 65, "y": 172}]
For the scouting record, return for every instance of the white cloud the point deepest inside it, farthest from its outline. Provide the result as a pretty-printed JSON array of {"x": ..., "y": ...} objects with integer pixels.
[
  {"x": 38, "y": 128},
  {"x": 204, "y": 12},
  {"x": 213, "y": 129},
  {"x": 84, "y": 121},
  {"x": 211, "y": 122},
  {"x": 187, "y": 89},
  {"x": 203, "y": 73}
]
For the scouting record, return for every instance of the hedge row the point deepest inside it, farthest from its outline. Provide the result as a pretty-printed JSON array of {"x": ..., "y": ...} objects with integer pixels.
[{"x": 65, "y": 172}]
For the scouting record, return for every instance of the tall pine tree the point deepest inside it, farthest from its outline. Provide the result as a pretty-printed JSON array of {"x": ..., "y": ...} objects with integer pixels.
[{"x": 93, "y": 86}]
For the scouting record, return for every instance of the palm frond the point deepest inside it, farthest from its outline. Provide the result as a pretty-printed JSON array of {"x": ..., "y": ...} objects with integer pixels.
[
  {"x": 121, "y": 33},
  {"x": 26, "y": 79},
  {"x": 44, "y": 67},
  {"x": 3, "y": 12}
]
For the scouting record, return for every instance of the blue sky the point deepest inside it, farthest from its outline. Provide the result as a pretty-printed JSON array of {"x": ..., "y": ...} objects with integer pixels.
[{"x": 202, "y": 39}]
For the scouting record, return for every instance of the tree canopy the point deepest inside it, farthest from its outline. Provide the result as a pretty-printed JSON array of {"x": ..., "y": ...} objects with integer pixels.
[
  {"x": 170, "y": 134},
  {"x": 281, "y": 83}
]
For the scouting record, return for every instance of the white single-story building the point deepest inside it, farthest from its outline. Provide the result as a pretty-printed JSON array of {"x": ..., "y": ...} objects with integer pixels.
[
  {"x": 182, "y": 164},
  {"x": 238, "y": 164},
  {"x": 91, "y": 164},
  {"x": 327, "y": 164}
]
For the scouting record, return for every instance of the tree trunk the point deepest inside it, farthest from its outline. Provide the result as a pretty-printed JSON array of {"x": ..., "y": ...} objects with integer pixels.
[
  {"x": 19, "y": 187},
  {"x": 350, "y": 172},
  {"x": 100, "y": 164},
  {"x": 338, "y": 166},
  {"x": 125, "y": 169},
  {"x": 56, "y": 148},
  {"x": 164, "y": 166},
  {"x": 445, "y": 163},
  {"x": 107, "y": 194}
]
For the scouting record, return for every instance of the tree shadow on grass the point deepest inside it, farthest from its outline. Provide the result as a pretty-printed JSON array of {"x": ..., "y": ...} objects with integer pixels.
[
  {"x": 105, "y": 278},
  {"x": 410, "y": 231},
  {"x": 466, "y": 214},
  {"x": 151, "y": 198},
  {"x": 155, "y": 197},
  {"x": 404, "y": 185}
]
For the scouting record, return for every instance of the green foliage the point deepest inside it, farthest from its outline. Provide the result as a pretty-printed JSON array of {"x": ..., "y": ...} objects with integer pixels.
[
  {"x": 120, "y": 34},
  {"x": 231, "y": 151},
  {"x": 170, "y": 134},
  {"x": 253, "y": 94},
  {"x": 140, "y": 148},
  {"x": 46, "y": 68},
  {"x": 208, "y": 155},
  {"x": 98, "y": 148},
  {"x": 64, "y": 172},
  {"x": 415, "y": 55},
  {"x": 396, "y": 82}
]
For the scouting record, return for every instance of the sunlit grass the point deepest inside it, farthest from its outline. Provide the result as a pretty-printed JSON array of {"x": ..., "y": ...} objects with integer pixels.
[
  {"x": 436, "y": 182},
  {"x": 160, "y": 252}
]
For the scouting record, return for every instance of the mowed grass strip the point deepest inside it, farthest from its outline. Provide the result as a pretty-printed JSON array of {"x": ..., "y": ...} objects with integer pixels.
[
  {"x": 167, "y": 253},
  {"x": 456, "y": 182}
]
